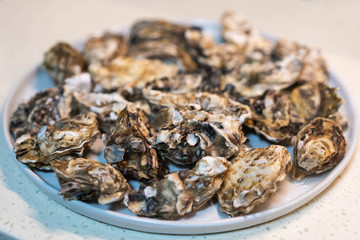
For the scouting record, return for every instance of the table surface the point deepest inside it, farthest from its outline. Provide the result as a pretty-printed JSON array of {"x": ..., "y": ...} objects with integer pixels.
[{"x": 28, "y": 28}]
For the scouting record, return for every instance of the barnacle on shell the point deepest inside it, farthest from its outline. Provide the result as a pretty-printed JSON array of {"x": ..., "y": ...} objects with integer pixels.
[{"x": 319, "y": 146}]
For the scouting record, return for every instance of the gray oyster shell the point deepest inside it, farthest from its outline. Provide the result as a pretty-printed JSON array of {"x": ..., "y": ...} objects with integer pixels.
[
  {"x": 126, "y": 74},
  {"x": 253, "y": 176},
  {"x": 180, "y": 192},
  {"x": 68, "y": 136},
  {"x": 128, "y": 149},
  {"x": 102, "y": 49},
  {"x": 45, "y": 108},
  {"x": 89, "y": 180},
  {"x": 184, "y": 136},
  {"x": 63, "y": 61},
  {"x": 319, "y": 147},
  {"x": 207, "y": 102}
]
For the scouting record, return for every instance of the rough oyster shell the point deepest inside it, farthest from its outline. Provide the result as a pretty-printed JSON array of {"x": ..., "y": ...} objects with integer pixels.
[
  {"x": 279, "y": 115},
  {"x": 151, "y": 30},
  {"x": 104, "y": 48},
  {"x": 237, "y": 30},
  {"x": 186, "y": 135},
  {"x": 181, "y": 83},
  {"x": 128, "y": 73},
  {"x": 207, "y": 102},
  {"x": 89, "y": 180},
  {"x": 252, "y": 177},
  {"x": 128, "y": 149},
  {"x": 63, "y": 61},
  {"x": 209, "y": 55},
  {"x": 43, "y": 109},
  {"x": 179, "y": 192},
  {"x": 319, "y": 147},
  {"x": 68, "y": 136}
]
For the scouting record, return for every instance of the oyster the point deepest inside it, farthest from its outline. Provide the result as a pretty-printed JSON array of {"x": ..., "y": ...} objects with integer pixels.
[
  {"x": 63, "y": 61},
  {"x": 186, "y": 135},
  {"x": 279, "y": 115},
  {"x": 207, "y": 102},
  {"x": 128, "y": 73},
  {"x": 128, "y": 149},
  {"x": 45, "y": 108},
  {"x": 314, "y": 65},
  {"x": 319, "y": 147},
  {"x": 67, "y": 136},
  {"x": 209, "y": 55},
  {"x": 179, "y": 192},
  {"x": 152, "y": 30},
  {"x": 254, "y": 79},
  {"x": 253, "y": 176},
  {"x": 104, "y": 48},
  {"x": 181, "y": 83},
  {"x": 89, "y": 180},
  {"x": 106, "y": 106},
  {"x": 237, "y": 30}
]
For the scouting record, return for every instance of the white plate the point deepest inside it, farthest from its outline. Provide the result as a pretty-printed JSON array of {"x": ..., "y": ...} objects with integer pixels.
[{"x": 291, "y": 195}]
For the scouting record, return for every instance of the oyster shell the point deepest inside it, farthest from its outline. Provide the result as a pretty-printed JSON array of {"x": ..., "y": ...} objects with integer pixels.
[
  {"x": 63, "y": 61},
  {"x": 89, "y": 180},
  {"x": 319, "y": 147},
  {"x": 186, "y": 135},
  {"x": 181, "y": 83},
  {"x": 314, "y": 65},
  {"x": 209, "y": 55},
  {"x": 103, "y": 49},
  {"x": 152, "y": 30},
  {"x": 279, "y": 115},
  {"x": 253, "y": 176},
  {"x": 179, "y": 192},
  {"x": 237, "y": 30},
  {"x": 45, "y": 108},
  {"x": 66, "y": 137},
  {"x": 128, "y": 149},
  {"x": 207, "y": 101},
  {"x": 128, "y": 73}
]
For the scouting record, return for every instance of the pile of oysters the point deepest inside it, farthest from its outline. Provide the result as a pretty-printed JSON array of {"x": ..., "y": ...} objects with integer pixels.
[{"x": 169, "y": 94}]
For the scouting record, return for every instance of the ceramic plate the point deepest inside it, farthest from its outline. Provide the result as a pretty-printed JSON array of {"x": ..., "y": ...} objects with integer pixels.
[{"x": 291, "y": 195}]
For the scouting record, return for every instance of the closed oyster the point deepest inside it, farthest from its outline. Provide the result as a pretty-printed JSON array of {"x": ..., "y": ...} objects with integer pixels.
[
  {"x": 103, "y": 49},
  {"x": 45, "y": 108},
  {"x": 209, "y": 55},
  {"x": 67, "y": 136},
  {"x": 207, "y": 102},
  {"x": 128, "y": 73},
  {"x": 165, "y": 50},
  {"x": 89, "y": 180},
  {"x": 237, "y": 30},
  {"x": 63, "y": 61},
  {"x": 279, "y": 115},
  {"x": 184, "y": 136},
  {"x": 179, "y": 192},
  {"x": 152, "y": 30},
  {"x": 128, "y": 149},
  {"x": 106, "y": 106},
  {"x": 254, "y": 79},
  {"x": 319, "y": 147},
  {"x": 253, "y": 176},
  {"x": 314, "y": 65},
  {"x": 181, "y": 83}
]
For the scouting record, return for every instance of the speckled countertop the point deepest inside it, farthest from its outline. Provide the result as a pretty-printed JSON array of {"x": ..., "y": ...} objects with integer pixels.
[{"x": 28, "y": 28}]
